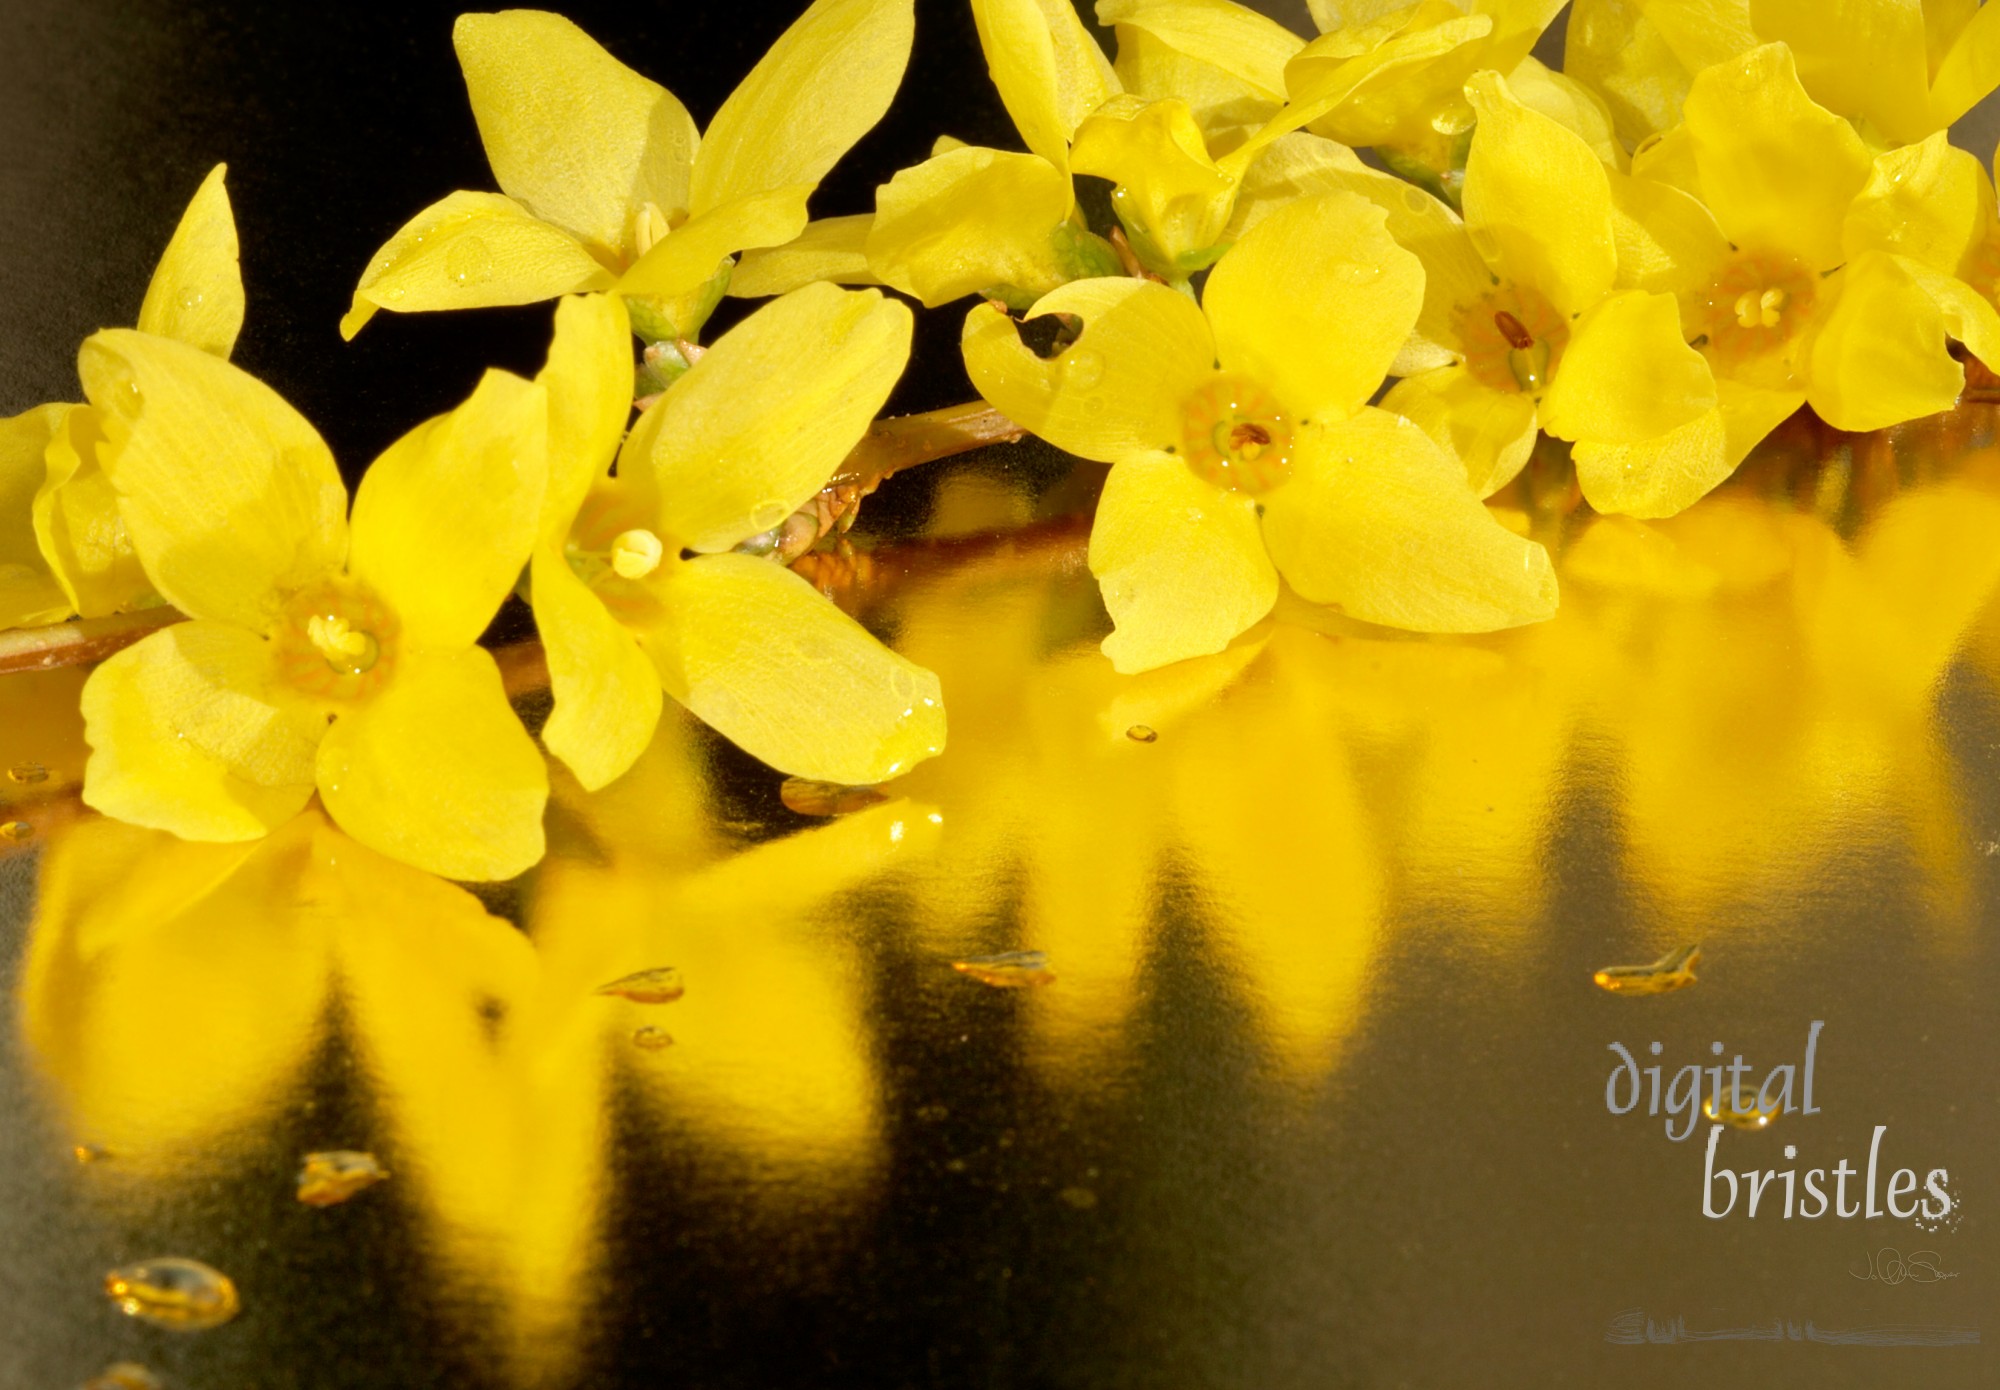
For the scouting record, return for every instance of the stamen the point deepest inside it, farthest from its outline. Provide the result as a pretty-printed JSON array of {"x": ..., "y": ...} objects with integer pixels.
[
  {"x": 636, "y": 554},
  {"x": 347, "y": 649},
  {"x": 1514, "y": 331},
  {"x": 1769, "y": 306},
  {"x": 1748, "y": 311}
]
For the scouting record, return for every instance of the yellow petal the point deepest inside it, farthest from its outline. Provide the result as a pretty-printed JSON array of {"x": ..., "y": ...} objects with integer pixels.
[
  {"x": 1382, "y": 84},
  {"x": 1114, "y": 392},
  {"x": 1491, "y": 432},
  {"x": 1049, "y": 71},
  {"x": 822, "y": 86},
  {"x": 1629, "y": 339},
  {"x": 232, "y": 499},
  {"x": 968, "y": 220},
  {"x": 761, "y": 422},
  {"x": 1969, "y": 316},
  {"x": 607, "y": 695},
  {"x": 1641, "y": 55},
  {"x": 1571, "y": 105},
  {"x": 1173, "y": 200},
  {"x": 444, "y": 519},
  {"x": 588, "y": 381},
  {"x": 1302, "y": 164},
  {"x": 1317, "y": 262},
  {"x": 1669, "y": 158},
  {"x": 1931, "y": 202},
  {"x": 1522, "y": 168},
  {"x": 1179, "y": 562},
  {"x": 581, "y": 140},
  {"x": 1662, "y": 476},
  {"x": 81, "y": 527},
  {"x": 436, "y": 771},
  {"x": 1227, "y": 108},
  {"x": 1232, "y": 37},
  {"x": 1880, "y": 356},
  {"x": 694, "y": 252},
  {"x": 764, "y": 659},
  {"x": 188, "y": 733},
  {"x": 1971, "y": 68},
  {"x": 1378, "y": 520},
  {"x": 196, "y": 294},
  {"x": 1866, "y": 59},
  {"x": 1777, "y": 170},
  {"x": 834, "y": 249},
  {"x": 472, "y": 251},
  {"x": 1667, "y": 239},
  {"x": 29, "y": 592}
]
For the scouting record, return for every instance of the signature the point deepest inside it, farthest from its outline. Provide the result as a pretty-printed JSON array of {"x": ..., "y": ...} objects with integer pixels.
[
  {"x": 1888, "y": 1266},
  {"x": 1633, "y": 1328}
]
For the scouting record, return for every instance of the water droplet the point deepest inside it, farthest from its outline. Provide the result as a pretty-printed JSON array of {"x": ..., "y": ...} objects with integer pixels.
[
  {"x": 660, "y": 985},
  {"x": 1082, "y": 1198},
  {"x": 1726, "y": 1113},
  {"x": 1671, "y": 971},
  {"x": 469, "y": 262},
  {"x": 171, "y": 1292},
  {"x": 1082, "y": 369},
  {"x": 652, "y": 1039},
  {"x": 393, "y": 293},
  {"x": 810, "y": 798},
  {"x": 903, "y": 683},
  {"x": 768, "y": 514},
  {"x": 1141, "y": 733},
  {"x": 1415, "y": 199},
  {"x": 16, "y": 830},
  {"x": 124, "y": 1375},
  {"x": 90, "y": 1153},
  {"x": 27, "y": 774},
  {"x": 190, "y": 298},
  {"x": 332, "y": 1176},
  {"x": 1009, "y": 969}
]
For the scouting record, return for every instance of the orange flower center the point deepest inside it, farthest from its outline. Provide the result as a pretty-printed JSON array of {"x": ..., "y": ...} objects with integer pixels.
[
  {"x": 1236, "y": 436},
  {"x": 1512, "y": 338},
  {"x": 337, "y": 641},
  {"x": 1749, "y": 318}
]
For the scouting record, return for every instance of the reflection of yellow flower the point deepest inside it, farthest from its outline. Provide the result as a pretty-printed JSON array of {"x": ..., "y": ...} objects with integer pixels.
[
  {"x": 63, "y": 546},
  {"x": 752, "y": 431},
  {"x": 1223, "y": 479},
  {"x": 608, "y": 185},
  {"x": 314, "y": 661}
]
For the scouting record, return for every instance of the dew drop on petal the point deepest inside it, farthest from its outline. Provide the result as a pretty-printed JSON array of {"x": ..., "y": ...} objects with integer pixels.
[
  {"x": 1141, "y": 733},
  {"x": 332, "y": 1176},
  {"x": 1671, "y": 971},
  {"x": 652, "y": 1039},
  {"x": 660, "y": 985},
  {"x": 806, "y": 797},
  {"x": 903, "y": 683},
  {"x": 1082, "y": 369},
  {"x": 27, "y": 774},
  {"x": 16, "y": 830},
  {"x": 1009, "y": 969},
  {"x": 171, "y": 1292},
  {"x": 124, "y": 1375},
  {"x": 469, "y": 262},
  {"x": 191, "y": 298}
]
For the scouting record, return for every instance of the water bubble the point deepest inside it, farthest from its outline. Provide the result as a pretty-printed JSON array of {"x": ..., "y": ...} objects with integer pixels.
[
  {"x": 809, "y": 798},
  {"x": 90, "y": 1153},
  {"x": 332, "y": 1176},
  {"x": 1082, "y": 1198},
  {"x": 16, "y": 830},
  {"x": 393, "y": 293},
  {"x": 1082, "y": 369},
  {"x": 903, "y": 683},
  {"x": 660, "y": 985},
  {"x": 469, "y": 262},
  {"x": 766, "y": 515},
  {"x": 1415, "y": 199},
  {"x": 1671, "y": 971},
  {"x": 191, "y": 298},
  {"x": 124, "y": 1375},
  {"x": 1751, "y": 1118},
  {"x": 1141, "y": 733},
  {"x": 171, "y": 1292},
  {"x": 1009, "y": 969},
  {"x": 652, "y": 1039},
  {"x": 27, "y": 774}
]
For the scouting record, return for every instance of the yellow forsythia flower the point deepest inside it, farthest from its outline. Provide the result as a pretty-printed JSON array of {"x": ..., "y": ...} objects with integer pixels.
[
  {"x": 1748, "y": 301},
  {"x": 1226, "y": 61},
  {"x": 607, "y": 185},
  {"x": 634, "y": 585},
  {"x": 1224, "y": 479},
  {"x": 63, "y": 546},
  {"x": 323, "y": 654},
  {"x": 1900, "y": 69}
]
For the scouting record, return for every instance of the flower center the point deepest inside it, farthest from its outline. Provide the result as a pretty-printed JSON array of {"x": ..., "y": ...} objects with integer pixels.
[
  {"x": 1751, "y": 316},
  {"x": 1512, "y": 338},
  {"x": 336, "y": 640},
  {"x": 1235, "y": 435},
  {"x": 636, "y": 553}
]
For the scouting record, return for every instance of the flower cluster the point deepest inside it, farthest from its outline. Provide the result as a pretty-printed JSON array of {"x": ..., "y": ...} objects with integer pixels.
[{"x": 1306, "y": 371}]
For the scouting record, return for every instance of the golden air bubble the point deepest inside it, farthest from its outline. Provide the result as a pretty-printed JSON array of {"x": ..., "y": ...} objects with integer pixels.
[
  {"x": 1727, "y": 1114},
  {"x": 1675, "y": 970},
  {"x": 185, "y": 1295},
  {"x": 124, "y": 1375},
  {"x": 806, "y": 797},
  {"x": 19, "y": 831},
  {"x": 1235, "y": 435},
  {"x": 1141, "y": 733},
  {"x": 652, "y": 1039},
  {"x": 90, "y": 1153},
  {"x": 1009, "y": 969},
  {"x": 27, "y": 774},
  {"x": 660, "y": 985},
  {"x": 636, "y": 553},
  {"x": 328, "y": 1178}
]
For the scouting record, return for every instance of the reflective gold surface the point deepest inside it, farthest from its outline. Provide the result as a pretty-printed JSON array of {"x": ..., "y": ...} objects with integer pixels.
[{"x": 1316, "y": 1092}]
